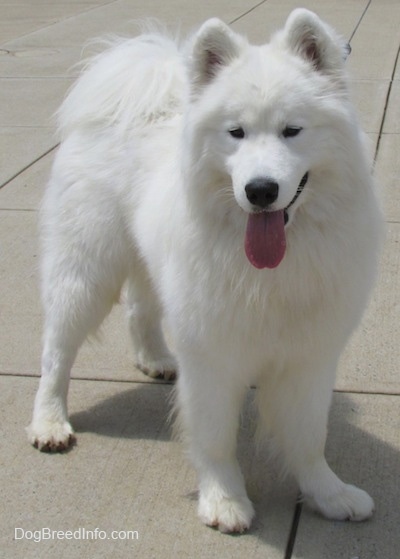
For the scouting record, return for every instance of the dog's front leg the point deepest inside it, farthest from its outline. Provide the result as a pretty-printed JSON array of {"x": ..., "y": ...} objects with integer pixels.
[
  {"x": 209, "y": 412},
  {"x": 296, "y": 413}
]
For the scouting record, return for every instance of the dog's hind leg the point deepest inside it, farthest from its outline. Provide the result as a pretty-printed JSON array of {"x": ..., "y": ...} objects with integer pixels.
[
  {"x": 144, "y": 314},
  {"x": 75, "y": 315},
  {"x": 79, "y": 289}
]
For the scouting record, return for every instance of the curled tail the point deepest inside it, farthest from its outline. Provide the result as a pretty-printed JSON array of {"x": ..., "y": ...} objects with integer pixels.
[{"x": 133, "y": 82}]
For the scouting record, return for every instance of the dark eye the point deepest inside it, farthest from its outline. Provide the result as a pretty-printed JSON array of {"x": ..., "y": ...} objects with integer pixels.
[
  {"x": 237, "y": 133},
  {"x": 291, "y": 131}
]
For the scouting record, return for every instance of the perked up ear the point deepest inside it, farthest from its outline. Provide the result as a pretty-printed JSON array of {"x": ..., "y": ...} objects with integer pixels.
[
  {"x": 214, "y": 46},
  {"x": 312, "y": 39}
]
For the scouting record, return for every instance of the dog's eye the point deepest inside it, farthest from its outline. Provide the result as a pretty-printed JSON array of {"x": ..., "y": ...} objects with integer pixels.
[
  {"x": 291, "y": 131},
  {"x": 237, "y": 133}
]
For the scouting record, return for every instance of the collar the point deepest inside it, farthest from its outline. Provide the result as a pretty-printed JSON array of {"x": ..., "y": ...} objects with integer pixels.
[{"x": 298, "y": 192}]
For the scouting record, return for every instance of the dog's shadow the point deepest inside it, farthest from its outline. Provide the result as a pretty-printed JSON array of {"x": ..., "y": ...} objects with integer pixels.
[{"x": 142, "y": 412}]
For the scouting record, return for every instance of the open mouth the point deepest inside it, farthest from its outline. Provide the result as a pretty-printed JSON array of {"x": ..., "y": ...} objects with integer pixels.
[{"x": 265, "y": 242}]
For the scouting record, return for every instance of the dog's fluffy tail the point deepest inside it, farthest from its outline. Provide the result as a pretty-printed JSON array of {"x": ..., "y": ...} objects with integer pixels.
[{"x": 132, "y": 83}]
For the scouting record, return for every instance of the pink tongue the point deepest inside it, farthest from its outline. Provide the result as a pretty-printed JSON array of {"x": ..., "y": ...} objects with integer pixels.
[{"x": 265, "y": 242}]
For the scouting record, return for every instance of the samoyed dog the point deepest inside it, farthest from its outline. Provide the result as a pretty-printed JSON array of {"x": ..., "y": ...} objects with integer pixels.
[{"x": 227, "y": 189}]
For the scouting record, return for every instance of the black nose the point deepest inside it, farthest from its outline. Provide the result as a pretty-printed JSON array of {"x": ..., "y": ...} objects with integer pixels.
[{"x": 262, "y": 191}]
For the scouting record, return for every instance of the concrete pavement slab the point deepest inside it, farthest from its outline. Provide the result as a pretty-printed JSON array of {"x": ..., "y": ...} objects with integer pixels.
[
  {"x": 125, "y": 474},
  {"x": 19, "y": 297},
  {"x": 371, "y": 360},
  {"x": 387, "y": 173},
  {"x": 364, "y": 448},
  {"x": 19, "y": 147},
  {"x": 31, "y": 101},
  {"x": 369, "y": 97},
  {"x": 25, "y": 192},
  {"x": 27, "y": 107}
]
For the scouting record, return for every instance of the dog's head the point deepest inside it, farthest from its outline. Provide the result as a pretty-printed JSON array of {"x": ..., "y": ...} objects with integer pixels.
[{"x": 260, "y": 120}]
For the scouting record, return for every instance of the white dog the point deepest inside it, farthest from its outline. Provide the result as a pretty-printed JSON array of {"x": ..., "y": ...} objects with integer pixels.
[{"x": 227, "y": 187}]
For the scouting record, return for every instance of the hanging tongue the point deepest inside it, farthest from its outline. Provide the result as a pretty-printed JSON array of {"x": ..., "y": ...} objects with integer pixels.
[{"x": 265, "y": 242}]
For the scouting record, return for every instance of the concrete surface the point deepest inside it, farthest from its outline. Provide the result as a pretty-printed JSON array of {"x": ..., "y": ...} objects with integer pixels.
[{"x": 127, "y": 474}]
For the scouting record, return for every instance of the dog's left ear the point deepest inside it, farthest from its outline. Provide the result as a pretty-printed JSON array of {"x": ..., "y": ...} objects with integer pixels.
[
  {"x": 214, "y": 46},
  {"x": 308, "y": 36}
]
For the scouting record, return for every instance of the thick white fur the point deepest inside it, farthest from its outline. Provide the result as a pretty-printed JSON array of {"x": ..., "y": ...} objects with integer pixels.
[{"x": 147, "y": 191}]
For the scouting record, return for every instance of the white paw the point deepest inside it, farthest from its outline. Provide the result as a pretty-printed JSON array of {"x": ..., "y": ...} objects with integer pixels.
[
  {"x": 50, "y": 436},
  {"x": 165, "y": 367},
  {"x": 226, "y": 514},
  {"x": 350, "y": 503}
]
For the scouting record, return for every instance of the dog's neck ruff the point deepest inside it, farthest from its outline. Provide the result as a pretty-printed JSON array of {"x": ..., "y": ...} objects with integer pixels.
[{"x": 265, "y": 242}]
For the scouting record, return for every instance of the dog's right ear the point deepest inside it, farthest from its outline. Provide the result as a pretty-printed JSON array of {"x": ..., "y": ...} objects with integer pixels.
[{"x": 214, "y": 46}]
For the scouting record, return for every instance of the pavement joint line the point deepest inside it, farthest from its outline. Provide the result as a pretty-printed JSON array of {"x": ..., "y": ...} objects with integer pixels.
[
  {"x": 36, "y": 78},
  {"x": 56, "y": 22},
  {"x": 293, "y": 528},
  {"x": 34, "y": 126},
  {"x": 18, "y": 210},
  {"x": 360, "y": 20},
  {"x": 28, "y": 166},
  {"x": 365, "y": 392},
  {"x": 114, "y": 380},
  {"x": 172, "y": 383},
  {"x": 247, "y": 12}
]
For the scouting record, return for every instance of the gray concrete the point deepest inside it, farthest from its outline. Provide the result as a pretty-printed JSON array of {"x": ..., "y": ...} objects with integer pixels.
[{"x": 127, "y": 473}]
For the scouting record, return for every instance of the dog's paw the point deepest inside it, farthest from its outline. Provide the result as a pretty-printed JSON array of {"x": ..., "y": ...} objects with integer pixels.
[
  {"x": 350, "y": 503},
  {"x": 48, "y": 436},
  {"x": 229, "y": 515},
  {"x": 164, "y": 368}
]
